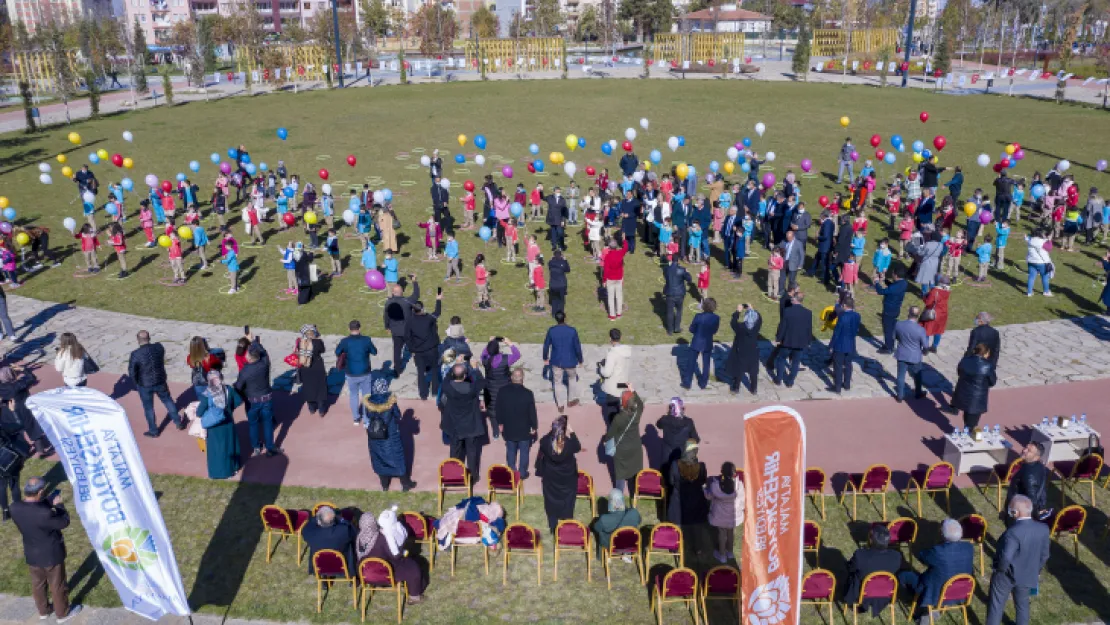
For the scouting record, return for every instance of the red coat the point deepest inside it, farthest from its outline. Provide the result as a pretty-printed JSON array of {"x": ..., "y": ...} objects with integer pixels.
[{"x": 938, "y": 300}]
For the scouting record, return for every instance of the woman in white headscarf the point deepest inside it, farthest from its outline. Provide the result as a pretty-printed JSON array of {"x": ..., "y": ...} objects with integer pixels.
[
  {"x": 216, "y": 409},
  {"x": 384, "y": 538}
]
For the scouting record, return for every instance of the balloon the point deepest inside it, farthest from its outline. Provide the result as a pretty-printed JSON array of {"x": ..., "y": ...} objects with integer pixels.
[
  {"x": 807, "y": 165},
  {"x": 289, "y": 219},
  {"x": 484, "y": 233},
  {"x": 194, "y": 166},
  {"x": 630, "y": 134},
  {"x": 627, "y": 146},
  {"x": 986, "y": 217},
  {"x": 167, "y": 186},
  {"x": 249, "y": 168},
  {"x": 128, "y": 163},
  {"x": 323, "y": 173},
  {"x": 760, "y": 128},
  {"x": 445, "y": 183},
  {"x": 534, "y": 149},
  {"x": 88, "y": 197},
  {"x": 570, "y": 169},
  {"x": 185, "y": 232},
  {"x": 571, "y": 141},
  {"x": 672, "y": 143},
  {"x": 1037, "y": 191},
  {"x": 460, "y": 159},
  {"x": 1064, "y": 165},
  {"x": 729, "y": 167},
  {"x": 326, "y": 188},
  {"x": 732, "y": 153},
  {"x": 44, "y": 168},
  {"x": 924, "y": 117},
  {"x": 9, "y": 213},
  {"x": 164, "y": 240},
  {"x": 889, "y": 158},
  {"x": 983, "y": 160},
  {"x": 468, "y": 185},
  {"x": 745, "y": 167},
  {"x": 310, "y": 218},
  {"x": 681, "y": 141},
  {"x": 768, "y": 180},
  {"x": 128, "y": 137},
  {"x": 970, "y": 208},
  {"x": 263, "y": 166},
  {"x": 927, "y": 154},
  {"x": 215, "y": 158},
  {"x": 1100, "y": 165},
  {"x": 714, "y": 166},
  {"x": 644, "y": 123},
  {"x": 682, "y": 171},
  {"x": 151, "y": 181},
  {"x": 349, "y": 215},
  {"x": 480, "y": 160},
  {"x": 516, "y": 209},
  {"x": 282, "y": 134},
  {"x": 289, "y": 192},
  {"x": 127, "y": 184},
  {"x": 351, "y": 160},
  {"x": 425, "y": 161},
  {"x": 844, "y": 121},
  {"x": 747, "y": 142},
  {"x": 69, "y": 224},
  {"x": 939, "y": 142},
  {"x": 1004, "y": 163},
  {"x": 918, "y": 146},
  {"x": 1019, "y": 154},
  {"x": 606, "y": 149},
  {"x": 770, "y": 156},
  {"x": 507, "y": 171},
  {"x": 378, "y": 197},
  {"x": 879, "y": 154},
  {"x": 22, "y": 239},
  {"x": 823, "y": 201},
  {"x": 93, "y": 158},
  {"x": 1013, "y": 163},
  {"x": 917, "y": 158},
  {"x": 232, "y": 153},
  {"x": 639, "y": 175},
  {"x": 180, "y": 177},
  {"x": 896, "y": 140},
  {"x": 1010, "y": 149},
  {"x": 61, "y": 158},
  {"x": 854, "y": 156},
  {"x": 374, "y": 280},
  {"x": 876, "y": 140},
  {"x": 74, "y": 138},
  {"x": 6, "y": 228},
  {"x": 102, "y": 153},
  {"x": 581, "y": 142},
  {"x": 647, "y": 165},
  {"x": 537, "y": 165},
  {"x": 4, "y": 202},
  {"x": 590, "y": 170},
  {"x": 461, "y": 139},
  {"x": 225, "y": 168},
  {"x": 67, "y": 171},
  {"x": 480, "y": 141},
  {"x": 997, "y": 168},
  {"x": 655, "y": 156}
]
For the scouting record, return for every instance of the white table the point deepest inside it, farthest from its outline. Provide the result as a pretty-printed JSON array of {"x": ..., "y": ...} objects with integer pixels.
[
  {"x": 968, "y": 454},
  {"x": 1068, "y": 442}
]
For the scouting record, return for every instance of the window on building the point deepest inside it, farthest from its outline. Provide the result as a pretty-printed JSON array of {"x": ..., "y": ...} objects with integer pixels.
[{"x": 142, "y": 18}]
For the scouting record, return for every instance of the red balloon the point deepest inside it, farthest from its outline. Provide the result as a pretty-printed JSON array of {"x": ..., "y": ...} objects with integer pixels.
[
  {"x": 1004, "y": 163},
  {"x": 879, "y": 154},
  {"x": 117, "y": 160},
  {"x": 939, "y": 142},
  {"x": 351, "y": 160},
  {"x": 823, "y": 201},
  {"x": 627, "y": 145},
  {"x": 997, "y": 168},
  {"x": 167, "y": 186},
  {"x": 712, "y": 63},
  {"x": 531, "y": 168},
  {"x": 324, "y": 174},
  {"x": 876, "y": 140},
  {"x": 924, "y": 117},
  {"x": 590, "y": 170},
  {"x": 1017, "y": 146},
  {"x": 469, "y": 185}
]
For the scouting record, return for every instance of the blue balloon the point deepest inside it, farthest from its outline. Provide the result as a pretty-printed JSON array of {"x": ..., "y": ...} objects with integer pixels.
[
  {"x": 1038, "y": 191},
  {"x": 918, "y": 146},
  {"x": 484, "y": 233},
  {"x": 714, "y": 166},
  {"x": 263, "y": 167},
  {"x": 655, "y": 156},
  {"x": 232, "y": 153},
  {"x": 534, "y": 149},
  {"x": 180, "y": 177},
  {"x": 353, "y": 204},
  {"x": 926, "y": 154},
  {"x": 387, "y": 195},
  {"x": 282, "y": 134},
  {"x": 9, "y": 213},
  {"x": 194, "y": 166},
  {"x": 681, "y": 141},
  {"x": 692, "y": 170},
  {"x": 480, "y": 141},
  {"x": 901, "y": 147},
  {"x": 895, "y": 140},
  {"x": 581, "y": 142},
  {"x": 1013, "y": 163},
  {"x": 607, "y": 149},
  {"x": 93, "y": 158},
  {"x": 516, "y": 209},
  {"x": 215, "y": 158},
  {"x": 127, "y": 184},
  {"x": 747, "y": 142},
  {"x": 109, "y": 208},
  {"x": 246, "y": 158},
  {"x": 537, "y": 165},
  {"x": 745, "y": 167},
  {"x": 889, "y": 158},
  {"x": 289, "y": 192},
  {"x": 460, "y": 159},
  {"x": 250, "y": 168}
]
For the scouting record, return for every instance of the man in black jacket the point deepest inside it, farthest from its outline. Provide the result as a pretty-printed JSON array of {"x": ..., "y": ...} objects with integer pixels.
[
  {"x": 147, "y": 368},
  {"x": 1031, "y": 480},
  {"x": 422, "y": 339},
  {"x": 395, "y": 317},
  {"x": 984, "y": 333},
  {"x": 874, "y": 558},
  {"x": 675, "y": 279},
  {"x": 253, "y": 384},
  {"x": 41, "y": 522},
  {"x": 462, "y": 417},
  {"x": 440, "y": 199},
  {"x": 557, "y": 218},
  {"x": 628, "y": 163},
  {"x": 328, "y": 530},
  {"x": 794, "y": 335},
  {"x": 822, "y": 261},
  {"x": 516, "y": 409},
  {"x": 558, "y": 268}
]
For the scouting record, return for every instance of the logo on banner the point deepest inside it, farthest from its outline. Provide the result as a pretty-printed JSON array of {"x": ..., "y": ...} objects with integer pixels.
[
  {"x": 131, "y": 548},
  {"x": 770, "y": 603}
]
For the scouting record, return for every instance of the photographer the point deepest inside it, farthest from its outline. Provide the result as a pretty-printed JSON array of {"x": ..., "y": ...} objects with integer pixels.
[
  {"x": 614, "y": 372},
  {"x": 40, "y": 520}
]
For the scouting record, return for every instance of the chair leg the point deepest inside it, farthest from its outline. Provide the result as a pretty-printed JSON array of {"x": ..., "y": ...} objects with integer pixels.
[
  {"x": 855, "y": 509},
  {"x": 454, "y": 554},
  {"x": 948, "y": 500},
  {"x": 400, "y": 602},
  {"x": 505, "y": 570},
  {"x": 883, "y": 497},
  {"x": 919, "y": 510},
  {"x": 300, "y": 552},
  {"x": 998, "y": 504},
  {"x": 485, "y": 557},
  {"x": 439, "y": 501},
  {"x": 539, "y": 570},
  {"x": 269, "y": 537},
  {"x": 1093, "y": 503},
  {"x": 354, "y": 594},
  {"x": 319, "y": 595},
  {"x": 982, "y": 565},
  {"x": 556, "y": 578},
  {"x": 822, "y": 497},
  {"x": 605, "y": 563}
]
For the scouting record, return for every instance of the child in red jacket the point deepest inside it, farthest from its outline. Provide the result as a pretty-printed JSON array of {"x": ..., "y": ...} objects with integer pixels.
[
  {"x": 539, "y": 284},
  {"x": 89, "y": 245}
]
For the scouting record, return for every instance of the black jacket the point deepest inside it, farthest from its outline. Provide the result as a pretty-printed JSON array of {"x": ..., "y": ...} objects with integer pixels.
[
  {"x": 796, "y": 329},
  {"x": 440, "y": 197},
  {"x": 628, "y": 163},
  {"x": 1032, "y": 481},
  {"x": 865, "y": 561},
  {"x": 516, "y": 412},
  {"x": 745, "y": 346},
  {"x": 825, "y": 236},
  {"x": 339, "y": 536},
  {"x": 254, "y": 377},
  {"x": 422, "y": 331},
  {"x": 398, "y": 310},
  {"x": 558, "y": 268},
  {"x": 147, "y": 366},
  {"x": 988, "y": 336},
  {"x": 556, "y": 210},
  {"x": 462, "y": 418},
  {"x": 675, "y": 432},
  {"x": 675, "y": 279},
  {"x": 976, "y": 377},
  {"x": 301, "y": 269},
  {"x": 41, "y": 525}
]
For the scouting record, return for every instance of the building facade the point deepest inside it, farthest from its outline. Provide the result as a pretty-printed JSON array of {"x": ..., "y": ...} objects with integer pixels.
[{"x": 32, "y": 13}]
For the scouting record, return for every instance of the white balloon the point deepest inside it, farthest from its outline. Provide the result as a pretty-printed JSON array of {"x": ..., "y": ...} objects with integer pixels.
[
  {"x": 87, "y": 197},
  {"x": 983, "y": 160},
  {"x": 69, "y": 224},
  {"x": 46, "y": 179},
  {"x": 570, "y": 168},
  {"x": 480, "y": 160},
  {"x": 643, "y": 123},
  {"x": 613, "y": 143},
  {"x": 127, "y": 136},
  {"x": 760, "y": 128},
  {"x": 770, "y": 156},
  {"x": 349, "y": 216},
  {"x": 445, "y": 183},
  {"x": 630, "y": 134},
  {"x": 732, "y": 153},
  {"x": 672, "y": 143},
  {"x": 425, "y": 161},
  {"x": 638, "y": 176},
  {"x": 379, "y": 197},
  {"x": 44, "y": 168},
  {"x": 1064, "y": 165},
  {"x": 326, "y": 188}
]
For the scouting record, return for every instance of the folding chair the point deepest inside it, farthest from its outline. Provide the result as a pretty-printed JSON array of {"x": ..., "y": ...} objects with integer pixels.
[
  {"x": 648, "y": 485},
  {"x": 935, "y": 479},
  {"x": 453, "y": 478},
  {"x": 572, "y": 535},
  {"x": 956, "y": 594},
  {"x": 873, "y": 482},
  {"x": 1069, "y": 522},
  {"x": 376, "y": 575},
  {"x": 878, "y": 585},
  {"x": 903, "y": 533},
  {"x": 815, "y": 487},
  {"x": 471, "y": 532},
  {"x": 1076, "y": 472},
  {"x": 1001, "y": 475},
  {"x": 501, "y": 479},
  {"x": 722, "y": 583},
  {"x": 330, "y": 567},
  {"x": 586, "y": 490},
  {"x": 520, "y": 539},
  {"x": 420, "y": 528},
  {"x": 975, "y": 532},
  {"x": 665, "y": 540},
  {"x": 285, "y": 524},
  {"x": 677, "y": 586},
  {"x": 811, "y": 541},
  {"x": 818, "y": 589},
  {"x": 623, "y": 542}
]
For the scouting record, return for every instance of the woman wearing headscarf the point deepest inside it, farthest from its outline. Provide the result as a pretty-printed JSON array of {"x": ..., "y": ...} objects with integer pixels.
[
  {"x": 386, "y": 221},
  {"x": 558, "y": 470},
  {"x": 373, "y": 542},
  {"x": 617, "y": 517},
  {"x": 302, "y": 261},
  {"x": 498, "y": 367},
  {"x": 217, "y": 405},
  {"x": 313, "y": 376},
  {"x": 743, "y": 358},
  {"x": 387, "y": 455},
  {"x": 687, "y": 506},
  {"x": 624, "y": 431},
  {"x": 675, "y": 428},
  {"x": 975, "y": 377}
]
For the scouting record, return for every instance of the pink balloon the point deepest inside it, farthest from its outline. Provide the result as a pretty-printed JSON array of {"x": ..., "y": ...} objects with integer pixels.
[
  {"x": 985, "y": 217},
  {"x": 507, "y": 171},
  {"x": 1019, "y": 154},
  {"x": 225, "y": 168},
  {"x": 768, "y": 180},
  {"x": 855, "y": 155},
  {"x": 807, "y": 165},
  {"x": 375, "y": 280}
]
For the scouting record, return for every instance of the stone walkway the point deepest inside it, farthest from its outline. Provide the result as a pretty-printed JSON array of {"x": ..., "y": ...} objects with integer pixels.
[
  {"x": 1034, "y": 354},
  {"x": 21, "y": 611}
]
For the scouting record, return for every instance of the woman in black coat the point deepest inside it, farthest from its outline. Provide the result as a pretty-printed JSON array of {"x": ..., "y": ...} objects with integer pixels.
[
  {"x": 311, "y": 372},
  {"x": 558, "y": 470},
  {"x": 387, "y": 455},
  {"x": 675, "y": 428},
  {"x": 976, "y": 377},
  {"x": 302, "y": 260},
  {"x": 843, "y": 242},
  {"x": 743, "y": 358}
]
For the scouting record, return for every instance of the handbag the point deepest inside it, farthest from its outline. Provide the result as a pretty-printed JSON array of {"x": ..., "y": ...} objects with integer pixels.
[
  {"x": 90, "y": 366},
  {"x": 376, "y": 430},
  {"x": 10, "y": 457},
  {"x": 341, "y": 362},
  {"x": 930, "y": 314},
  {"x": 212, "y": 417}
]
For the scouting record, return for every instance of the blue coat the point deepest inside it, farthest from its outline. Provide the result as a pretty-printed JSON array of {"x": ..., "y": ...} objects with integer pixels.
[
  {"x": 825, "y": 235},
  {"x": 942, "y": 562},
  {"x": 893, "y": 294},
  {"x": 704, "y": 327},
  {"x": 844, "y": 335},
  {"x": 912, "y": 341},
  {"x": 562, "y": 348},
  {"x": 387, "y": 455}
]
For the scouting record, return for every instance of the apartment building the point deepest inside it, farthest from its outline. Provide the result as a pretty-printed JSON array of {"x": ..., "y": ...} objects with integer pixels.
[{"x": 32, "y": 13}]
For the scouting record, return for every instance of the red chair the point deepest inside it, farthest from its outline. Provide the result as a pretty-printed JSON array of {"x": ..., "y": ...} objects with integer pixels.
[
  {"x": 815, "y": 487},
  {"x": 666, "y": 540},
  {"x": 572, "y": 535},
  {"x": 285, "y": 524},
  {"x": 501, "y": 479},
  {"x": 903, "y": 533},
  {"x": 878, "y": 585},
  {"x": 1076, "y": 472},
  {"x": 520, "y": 539},
  {"x": 811, "y": 540},
  {"x": 935, "y": 479},
  {"x": 453, "y": 478},
  {"x": 818, "y": 589},
  {"x": 586, "y": 490},
  {"x": 331, "y": 568},
  {"x": 722, "y": 583},
  {"x": 872, "y": 483},
  {"x": 956, "y": 594},
  {"x": 648, "y": 485},
  {"x": 623, "y": 542},
  {"x": 677, "y": 586},
  {"x": 1069, "y": 522},
  {"x": 420, "y": 528},
  {"x": 468, "y": 531},
  {"x": 376, "y": 575},
  {"x": 1001, "y": 475},
  {"x": 975, "y": 532}
]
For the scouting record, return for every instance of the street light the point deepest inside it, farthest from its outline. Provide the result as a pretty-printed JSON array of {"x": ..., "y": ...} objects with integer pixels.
[
  {"x": 338, "y": 54},
  {"x": 908, "y": 44}
]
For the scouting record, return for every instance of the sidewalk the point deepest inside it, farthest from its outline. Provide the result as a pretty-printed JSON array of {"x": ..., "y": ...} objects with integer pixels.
[{"x": 21, "y": 611}]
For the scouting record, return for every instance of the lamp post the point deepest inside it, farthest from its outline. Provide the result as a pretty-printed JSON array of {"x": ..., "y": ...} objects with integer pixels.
[
  {"x": 908, "y": 44},
  {"x": 338, "y": 53}
]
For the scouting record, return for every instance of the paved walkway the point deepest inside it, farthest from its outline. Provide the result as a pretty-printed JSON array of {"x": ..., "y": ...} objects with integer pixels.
[
  {"x": 1031, "y": 355},
  {"x": 21, "y": 611}
]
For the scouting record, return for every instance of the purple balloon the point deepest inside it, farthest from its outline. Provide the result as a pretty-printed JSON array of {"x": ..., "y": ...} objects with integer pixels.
[
  {"x": 768, "y": 180},
  {"x": 807, "y": 165},
  {"x": 225, "y": 168},
  {"x": 507, "y": 171},
  {"x": 375, "y": 280},
  {"x": 6, "y": 228},
  {"x": 1101, "y": 165},
  {"x": 739, "y": 145},
  {"x": 985, "y": 217},
  {"x": 855, "y": 155},
  {"x": 1020, "y": 154}
]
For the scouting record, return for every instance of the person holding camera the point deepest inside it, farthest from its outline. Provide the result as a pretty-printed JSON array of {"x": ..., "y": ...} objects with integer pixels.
[
  {"x": 614, "y": 371},
  {"x": 40, "y": 520}
]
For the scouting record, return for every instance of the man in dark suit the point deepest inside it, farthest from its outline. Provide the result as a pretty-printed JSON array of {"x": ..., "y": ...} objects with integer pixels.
[
  {"x": 893, "y": 296},
  {"x": 874, "y": 558},
  {"x": 516, "y": 409},
  {"x": 800, "y": 222},
  {"x": 728, "y": 231},
  {"x": 703, "y": 328},
  {"x": 751, "y": 199},
  {"x": 843, "y": 345},
  {"x": 630, "y": 212},
  {"x": 952, "y": 557},
  {"x": 794, "y": 335},
  {"x": 925, "y": 209},
  {"x": 628, "y": 164},
  {"x": 984, "y": 333},
  {"x": 558, "y": 268},
  {"x": 395, "y": 317},
  {"x": 435, "y": 167},
  {"x": 793, "y": 256},
  {"x": 562, "y": 351},
  {"x": 461, "y": 418},
  {"x": 440, "y": 198},
  {"x": 675, "y": 279},
  {"x": 912, "y": 343},
  {"x": 40, "y": 521},
  {"x": 147, "y": 369},
  {"x": 822, "y": 263},
  {"x": 1021, "y": 554},
  {"x": 1031, "y": 479},
  {"x": 557, "y": 218},
  {"x": 327, "y": 530}
]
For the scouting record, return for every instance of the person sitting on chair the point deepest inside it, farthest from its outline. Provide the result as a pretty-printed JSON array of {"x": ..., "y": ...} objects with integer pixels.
[
  {"x": 952, "y": 557},
  {"x": 326, "y": 530},
  {"x": 617, "y": 517},
  {"x": 875, "y": 557}
]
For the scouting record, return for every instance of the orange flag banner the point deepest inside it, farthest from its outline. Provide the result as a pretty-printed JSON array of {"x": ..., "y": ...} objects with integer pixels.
[{"x": 774, "y": 476}]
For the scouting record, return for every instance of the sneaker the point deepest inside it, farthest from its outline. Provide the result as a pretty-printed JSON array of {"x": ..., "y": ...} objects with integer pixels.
[
  {"x": 1049, "y": 295},
  {"x": 56, "y": 264},
  {"x": 276, "y": 451},
  {"x": 232, "y": 292},
  {"x": 151, "y": 434},
  {"x": 74, "y": 610},
  {"x": 257, "y": 451},
  {"x": 36, "y": 267},
  {"x": 121, "y": 275},
  {"x": 1028, "y": 295}
]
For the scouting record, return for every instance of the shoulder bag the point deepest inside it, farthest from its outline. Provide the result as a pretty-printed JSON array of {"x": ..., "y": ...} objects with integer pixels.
[
  {"x": 929, "y": 314},
  {"x": 212, "y": 417},
  {"x": 376, "y": 430},
  {"x": 1094, "y": 446}
]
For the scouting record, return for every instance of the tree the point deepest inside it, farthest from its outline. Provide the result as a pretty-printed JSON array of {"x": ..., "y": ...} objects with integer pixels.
[
  {"x": 94, "y": 94},
  {"x": 322, "y": 30},
  {"x": 546, "y": 18},
  {"x": 942, "y": 60},
  {"x": 167, "y": 84},
  {"x": 375, "y": 19},
  {"x": 516, "y": 27},
  {"x": 243, "y": 29},
  {"x": 883, "y": 58},
  {"x": 647, "y": 16},
  {"x": 436, "y": 28},
  {"x": 589, "y": 24},
  {"x": 484, "y": 23},
  {"x": 206, "y": 43},
  {"x": 28, "y": 105},
  {"x": 51, "y": 36},
  {"x": 802, "y": 52},
  {"x": 137, "y": 52}
]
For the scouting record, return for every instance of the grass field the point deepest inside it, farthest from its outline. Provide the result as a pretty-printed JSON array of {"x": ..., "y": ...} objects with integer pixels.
[
  {"x": 387, "y": 128},
  {"x": 220, "y": 547}
]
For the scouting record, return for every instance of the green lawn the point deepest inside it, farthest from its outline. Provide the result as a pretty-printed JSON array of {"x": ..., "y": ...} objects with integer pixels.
[
  {"x": 219, "y": 545},
  {"x": 386, "y": 127}
]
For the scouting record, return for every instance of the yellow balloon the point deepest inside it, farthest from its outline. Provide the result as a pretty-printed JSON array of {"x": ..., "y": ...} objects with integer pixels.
[
  {"x": 4, "y": 203},
  {"x": 67, "y": 171},
  {"x": 844, "y": 121},
  {"x": 970, "y": 208},
  {"x": 74, "y": 138},
  {"x": 102, "y": 153},
  {"x": 164, "y": 241},
  {"x": 185, "y": 232},
  {"x": 562, "y": 158},
  {"x": 62, "y": 158},
  {"x": 907, "y": 171},
  {"x": 682, "y": 171},
  {"x": 572, "y": 142},
  {"x": 729, "y": 167},
  {"x": 846, "y": 204},
  {"x": 310, "y": 218},
  {"x": 1010, "y": 149},
  {"x": 553, "y": 157},
  {"x": 647, "y": 165},
  {"x": 128, "y": 163},
  {"x": 22, "y": 238},
  {"x": 461, "y": 139},
  {"x": 917, "y": 158},
  {"x": 828, "y": 319}
]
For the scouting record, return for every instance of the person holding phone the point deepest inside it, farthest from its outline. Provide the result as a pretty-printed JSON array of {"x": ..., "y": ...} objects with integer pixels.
[{"x": 40, "y": 520}]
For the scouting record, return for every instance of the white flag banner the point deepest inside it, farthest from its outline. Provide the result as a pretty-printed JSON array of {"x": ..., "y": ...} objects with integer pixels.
[
  {"x": 1088, "y": 81},
  {"x": 113, "y": 496},
  {"x": 1020, "y": 72}
]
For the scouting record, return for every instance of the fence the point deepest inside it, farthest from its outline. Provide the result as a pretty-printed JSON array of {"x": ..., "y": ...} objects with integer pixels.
[
  {"x": 508, "y": 55},
  {"x": 830, "y": 42},
  {"x": 676, "y": 49},
  {"x": 37, "y": 69},
  {"x": 288, "y": 62}
]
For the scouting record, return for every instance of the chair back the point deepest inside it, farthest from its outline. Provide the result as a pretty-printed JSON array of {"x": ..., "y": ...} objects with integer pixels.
[
  {"x": 376, "y": 572},
  {"x": 277, "y": 519},
  {"x": 876, "y": 478},
  {"x": 815, "y": 480},
  {"x": 625, "y": 541},
  {"x": 818, "y": 584},
  {"x": 722, "y": 581},
  {"x": 939, "y": 475},
  {"x": 666, "y": 537},
  {"x": 585, "y": 485},
  {"x": 416, "y": 524},
  {"x": 975, "y": 527},
  {"x": 321, "y": 504},
  {"x": 879, "y": 585},
  {"x": 1070, "y": 520},
  {"x": 903, "y": 530},
  {"x": 329, "y": 563},
  {"x": 1088, "y": 467},
  {"x": 452, "y": 472},
  {"x": 520, "y": 536},
  {"x": 811, "y": 534},
  {"x": 570, "y": 533},
  {"x": 1012, "y": 471},
  {"x": 501, "y": 477},
  {"x": 649, "y": 482},
  {"x": 958, "y": 589},
  {"x": 678, "y": 583},
  {"x": 468, "y": 529}
]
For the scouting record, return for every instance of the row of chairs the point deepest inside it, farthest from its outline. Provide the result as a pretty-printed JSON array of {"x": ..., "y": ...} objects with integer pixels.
[
  {"x": 1071, "y": 473},
  {"x": 374, "y": 575},
  {"x": 819, "y": 590}
]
